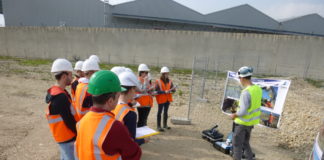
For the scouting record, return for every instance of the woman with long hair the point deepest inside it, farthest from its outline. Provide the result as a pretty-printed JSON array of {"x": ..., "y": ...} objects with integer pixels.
[{"x": 164, "y": 88}]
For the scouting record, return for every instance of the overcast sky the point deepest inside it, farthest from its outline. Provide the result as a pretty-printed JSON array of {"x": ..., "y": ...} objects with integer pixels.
[{"x": 277, "y": 9}]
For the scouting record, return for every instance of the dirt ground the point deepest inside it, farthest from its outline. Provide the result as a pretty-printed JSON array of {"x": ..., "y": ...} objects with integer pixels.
[{"x": 24, "y": 133}]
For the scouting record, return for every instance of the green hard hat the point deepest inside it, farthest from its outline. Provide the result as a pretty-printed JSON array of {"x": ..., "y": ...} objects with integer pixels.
[{"x": 103, "y": 82}]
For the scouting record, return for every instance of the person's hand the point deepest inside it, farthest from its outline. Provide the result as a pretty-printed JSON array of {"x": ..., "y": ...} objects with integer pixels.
[
  {"x": 233, "y": 116},
  {"x": 168, "y": 91}
]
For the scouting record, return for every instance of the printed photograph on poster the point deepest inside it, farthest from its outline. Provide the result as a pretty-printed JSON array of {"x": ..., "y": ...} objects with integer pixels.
[{"x": 273, "y": 96}]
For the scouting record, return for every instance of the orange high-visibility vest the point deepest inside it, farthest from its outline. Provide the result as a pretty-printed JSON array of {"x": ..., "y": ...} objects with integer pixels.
[
  {"x": 60, "y": 131},
  {"x": 145, "y": 100},
  {"x": 121, "y": 111},
  {"x": 163, "y": 98},
  {"x": 92, "y": 130},
  {"x": 80, "y": 95},
  {"x": 72, "y": 90}
]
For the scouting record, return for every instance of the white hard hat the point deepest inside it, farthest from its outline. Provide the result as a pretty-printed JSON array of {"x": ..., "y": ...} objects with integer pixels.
[
  {"x": 78, "y": 65},
  {"x": 60, "y": 65},
  {"x": 165, "y": 70},
  {"x": 90, "y": 65},
  {"x": 128, "y": 70},
  {"x": 245, "y": 71},
  {"x": 95, "y": 57},
  {"x": 128, "y": 79},
  {"x": 143, "y": 67},
  {"x": 118, "y": 70}
]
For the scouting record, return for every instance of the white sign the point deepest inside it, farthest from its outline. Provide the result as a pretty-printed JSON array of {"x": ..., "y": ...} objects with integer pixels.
[{"x": 273, "y": 98}]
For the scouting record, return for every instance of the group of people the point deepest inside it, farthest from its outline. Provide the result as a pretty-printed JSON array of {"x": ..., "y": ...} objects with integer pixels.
[{"x": 99, "y": 120}]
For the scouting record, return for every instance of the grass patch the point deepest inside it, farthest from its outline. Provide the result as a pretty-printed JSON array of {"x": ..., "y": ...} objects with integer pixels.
[
  {"x": 181, "y": 71},
  {"x": 7, "y": 58},
  {"x": 33, "y": 62},
  {"x": 18, "y": 71},
  {"x": 315, "y": 83},
  {"x": 105, "y": 66},
  {"x": 184, "y": 84},
  {"x": 180, "y": 92}
]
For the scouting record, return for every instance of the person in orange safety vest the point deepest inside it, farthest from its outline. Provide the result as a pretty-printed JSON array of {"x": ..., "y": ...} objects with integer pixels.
[
  {"x": 164, "y": 88},
  {"x": 100, "y": 135},
  {"x": 144, "y": 95},
  {"x": 60, "y": 112},
  {"x": 83, "y": 100},
  {"x": 78, "y": 74},
  {"x": 124, "y": 111}
]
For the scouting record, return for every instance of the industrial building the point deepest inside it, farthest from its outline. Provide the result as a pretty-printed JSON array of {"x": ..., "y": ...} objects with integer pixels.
[{"x": 153, "y": 14}]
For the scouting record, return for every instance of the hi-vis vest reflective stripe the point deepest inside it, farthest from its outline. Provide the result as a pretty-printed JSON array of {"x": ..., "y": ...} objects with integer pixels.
[
  {"x": 254, "y": 111},
  {"x": 121, "y": 111},
  {"x": 163, "y": 98},
  {"x": 72, "y": 90},
  {"x": 80, "y": 95},
  {"x": 145, "y": 100},
  {"x": 92, "y": 131},
  {"x": 60, "y": 131}
]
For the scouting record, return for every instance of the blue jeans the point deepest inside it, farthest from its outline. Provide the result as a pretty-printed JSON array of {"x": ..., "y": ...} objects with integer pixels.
[{"x": 67, "y": 150}]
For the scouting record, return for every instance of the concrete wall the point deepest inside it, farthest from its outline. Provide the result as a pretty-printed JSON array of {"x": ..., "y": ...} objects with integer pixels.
[{"x": 269, "y": 54}]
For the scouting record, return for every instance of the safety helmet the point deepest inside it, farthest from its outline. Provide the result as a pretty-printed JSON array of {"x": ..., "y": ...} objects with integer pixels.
[
  {"x": 245, "y": 71},
  {"x": 128, "y": 69},
  {"x": 103, "y": 82},
  {"x": 95, "y": 57},
  {"x": 78, "y": 65},
  {"x": 60, "y": 65},
  {"x": 165, "y": 70},
  {"x": 128, "y": 79},
  {"x": 118, "y": 70},
  {"x": 143, "y": 67},
  {"x": 90, "y": 65}
]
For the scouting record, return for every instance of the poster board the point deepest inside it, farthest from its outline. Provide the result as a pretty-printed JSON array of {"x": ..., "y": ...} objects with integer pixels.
[{"x": 274, "y": 94}]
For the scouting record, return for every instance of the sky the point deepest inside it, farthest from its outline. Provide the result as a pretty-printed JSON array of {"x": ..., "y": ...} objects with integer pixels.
[{"x": 277, "y": 9}]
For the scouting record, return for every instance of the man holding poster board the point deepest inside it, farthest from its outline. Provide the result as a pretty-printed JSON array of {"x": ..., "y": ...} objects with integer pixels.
[{"x": 247, "y": 114}]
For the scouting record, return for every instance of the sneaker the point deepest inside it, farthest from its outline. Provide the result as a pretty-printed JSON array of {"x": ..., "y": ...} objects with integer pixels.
[
  {"x": 167, "y": 127},
  {"x": 160, "y": 129}
]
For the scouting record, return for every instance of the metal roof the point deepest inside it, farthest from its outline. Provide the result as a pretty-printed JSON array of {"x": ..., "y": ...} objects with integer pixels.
[
  {"x": 156, "y": 9},
  {"x": 240, "y": 17},
  {"x": 311, "y": 24},
  {"x": 243, "y": 15}
]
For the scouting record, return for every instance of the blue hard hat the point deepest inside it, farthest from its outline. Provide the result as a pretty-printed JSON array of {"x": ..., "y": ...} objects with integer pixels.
[{"x": 245, "y": 71}]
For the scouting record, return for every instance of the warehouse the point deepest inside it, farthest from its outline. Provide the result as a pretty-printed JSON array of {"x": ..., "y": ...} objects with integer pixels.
[{"x": 152, "y": 14}]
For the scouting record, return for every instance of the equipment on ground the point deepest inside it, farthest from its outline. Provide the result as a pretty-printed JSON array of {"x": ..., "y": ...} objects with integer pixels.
[{"x": 212, "y": 135}]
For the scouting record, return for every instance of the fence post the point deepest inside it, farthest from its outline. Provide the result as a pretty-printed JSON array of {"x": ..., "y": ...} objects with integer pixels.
[{"x": 192, "y": 78}]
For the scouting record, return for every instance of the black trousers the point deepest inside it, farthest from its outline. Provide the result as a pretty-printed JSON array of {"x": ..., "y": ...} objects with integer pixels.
[
  {"x": 241, "y": 141},
  {"x": 143, "y": 113},
  {"x": 163, "y": 107}
]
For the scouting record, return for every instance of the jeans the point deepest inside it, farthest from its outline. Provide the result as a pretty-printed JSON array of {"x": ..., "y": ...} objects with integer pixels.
[
  {"x": 241, "y": 141},
  {"x": 67, "y": 150},
  {"x": 165, "y": 108}
]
